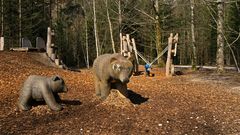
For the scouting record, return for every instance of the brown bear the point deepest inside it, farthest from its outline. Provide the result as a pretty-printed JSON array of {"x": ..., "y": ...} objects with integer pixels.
[
  {"x": 41, "y": 88},
  {"x": 111, "y": 71}
]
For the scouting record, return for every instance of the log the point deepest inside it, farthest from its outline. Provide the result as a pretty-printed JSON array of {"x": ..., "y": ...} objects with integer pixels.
[
  {"x": 129, "y": 46},
  {"x": 175, "y": 42},
  {"x": 24, "y": 49},
  {"x": 172, "y": 69},
  {"x": 125, "y": 48},
  {"x": 169, "y": 62},
  {"x": 135, "y": 50},
  {"x": 121, "y": 43},
  {"x": 136, "y": 62}
]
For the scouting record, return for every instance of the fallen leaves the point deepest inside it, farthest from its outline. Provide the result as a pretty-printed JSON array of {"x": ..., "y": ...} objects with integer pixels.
[
  {"x": 117, "y": 100},
  {"x": 188, "y": 104}
]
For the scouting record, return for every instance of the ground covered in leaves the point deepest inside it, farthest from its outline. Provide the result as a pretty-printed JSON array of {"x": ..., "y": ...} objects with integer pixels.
[{"x": 193, "y": 103}]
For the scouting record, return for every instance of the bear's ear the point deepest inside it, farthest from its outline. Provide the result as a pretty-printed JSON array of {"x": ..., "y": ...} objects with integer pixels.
[
  {"x": 113, "y": 59},
  {"x": 55, "y": 78},
  {"x": 116, "y": 67}
]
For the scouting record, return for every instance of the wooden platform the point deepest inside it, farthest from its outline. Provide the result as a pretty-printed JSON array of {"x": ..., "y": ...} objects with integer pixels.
[
  {"x": 24, "y": 49},
  {"x": 203, "y": 67}
]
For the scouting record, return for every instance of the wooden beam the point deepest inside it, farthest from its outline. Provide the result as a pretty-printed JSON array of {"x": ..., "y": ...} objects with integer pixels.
[
  {"x": 121, "y": 43},
  {"x": 169, "y": 61},
  {"x": 135, "y": 50},
  {"x": 125, "y": 48}
]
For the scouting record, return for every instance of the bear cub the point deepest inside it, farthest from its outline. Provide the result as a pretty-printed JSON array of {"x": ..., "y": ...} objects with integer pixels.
[
  {"x": 111, "y": 71},
  {"x": 40, "y": 88}
]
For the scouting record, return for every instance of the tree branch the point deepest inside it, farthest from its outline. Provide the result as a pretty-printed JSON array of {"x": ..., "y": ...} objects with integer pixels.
[{"x": 144, "y": 13}]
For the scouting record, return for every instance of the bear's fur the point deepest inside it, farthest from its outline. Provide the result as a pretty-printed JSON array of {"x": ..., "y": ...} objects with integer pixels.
[
  {"x": 111, "y": 71},
  {"x": 40, "y": 88}
]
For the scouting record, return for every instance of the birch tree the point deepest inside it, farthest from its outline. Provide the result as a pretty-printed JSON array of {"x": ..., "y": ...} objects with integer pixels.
[
  {"x": 95, "y": 28},
  {"x": 194, "y": 57},
  {"x": 119, "y": 16},
  {"x": 110, "y": 27},
  {"x": 220, "y": 37}
]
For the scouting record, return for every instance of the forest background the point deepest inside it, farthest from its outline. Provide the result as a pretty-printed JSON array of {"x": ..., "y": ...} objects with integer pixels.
[{"x": 208, "y": 30}]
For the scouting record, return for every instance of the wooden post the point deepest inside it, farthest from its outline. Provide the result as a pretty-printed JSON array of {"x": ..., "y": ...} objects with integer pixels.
[
  {"x": 49, "y": 36},
  {"x": 57, "y": 62},
  {"x": 1, "y": 43},
  {"x": 125, "y": 48},
  {"x": 172, "y": 68},
  {"x": 52, "y": 51},
  {"x": 168, "y": 63},
  {"x": 129, "y": 47},
  {"x": 135, "y": 50},
  {"x": 175, "y": 42},
  {"x": 121, "y": 43},
  {"x": 53, "y": 57},
  {"x": 136, "y": 56}
]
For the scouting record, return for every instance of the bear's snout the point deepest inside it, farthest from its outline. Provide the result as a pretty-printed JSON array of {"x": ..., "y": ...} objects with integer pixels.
[
  {"x": 125, "y": 80},
  {"x": 65, "y": 89}
]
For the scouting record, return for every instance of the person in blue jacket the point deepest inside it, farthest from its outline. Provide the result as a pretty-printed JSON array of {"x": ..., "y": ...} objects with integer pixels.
[{"x": 147, "y": 69}]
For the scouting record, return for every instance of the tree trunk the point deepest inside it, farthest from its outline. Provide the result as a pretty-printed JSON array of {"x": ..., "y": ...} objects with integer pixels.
[
  {"x": 95, "y": 28},
  {"x": 169, "y": 59},
  {"x": 220, "y": 38},
  {"x": 110, "y": 28},
  {"x": 158, "y": 31},
  {"x": 194, "y": 57},
  {"x": 50, "y": 13},
  {"x": 1, "y": 18},
  {"x": 2, "y": 29},
  {"x": 86, "y": 32},
  {"x": 20, "y": 22},
  {"x": 119, "y": 16}
]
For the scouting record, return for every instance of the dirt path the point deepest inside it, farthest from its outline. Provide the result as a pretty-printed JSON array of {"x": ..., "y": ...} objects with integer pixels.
[{"x": 158, "y": 105}]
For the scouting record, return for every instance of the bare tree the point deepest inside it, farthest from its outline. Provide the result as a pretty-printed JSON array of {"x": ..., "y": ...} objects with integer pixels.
[
  {"x": 95, "y": 28},
  {"x": 20, "y": 21},
  {"x": 119, "y": 16},
  {"x": 86, "y": 42},
  {"x": 224, "y": 37},
  {"x": 1, "y": 18},
  {"x": 220, "y": 37},
  {"x": 158, "y": 30},
  {"x": 110, "y": 27},
  {"x": 194, "y": 57}
]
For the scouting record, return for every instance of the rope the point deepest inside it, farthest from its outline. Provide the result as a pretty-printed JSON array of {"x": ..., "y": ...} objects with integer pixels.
[
  {"x": 159, "y": 55},
  {"x": 141, "y": 56},
  {"x": 146, "y": 61}
]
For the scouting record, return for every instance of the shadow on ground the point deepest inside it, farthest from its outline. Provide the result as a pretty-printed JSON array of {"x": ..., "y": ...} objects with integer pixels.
[
  {"x": 66, "y": 102},
  {"x": 71, "y": 102},
  {"x": 136, "y": 98}
]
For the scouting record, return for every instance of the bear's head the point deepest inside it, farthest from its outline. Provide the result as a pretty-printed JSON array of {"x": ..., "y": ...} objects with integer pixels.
[
  {"x": 58, "y": 85},
  {"x": 122, "y": 69}
]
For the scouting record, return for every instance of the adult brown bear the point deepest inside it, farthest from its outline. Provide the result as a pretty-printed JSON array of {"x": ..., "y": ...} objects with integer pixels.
[{"x": 111, "y": 71}]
